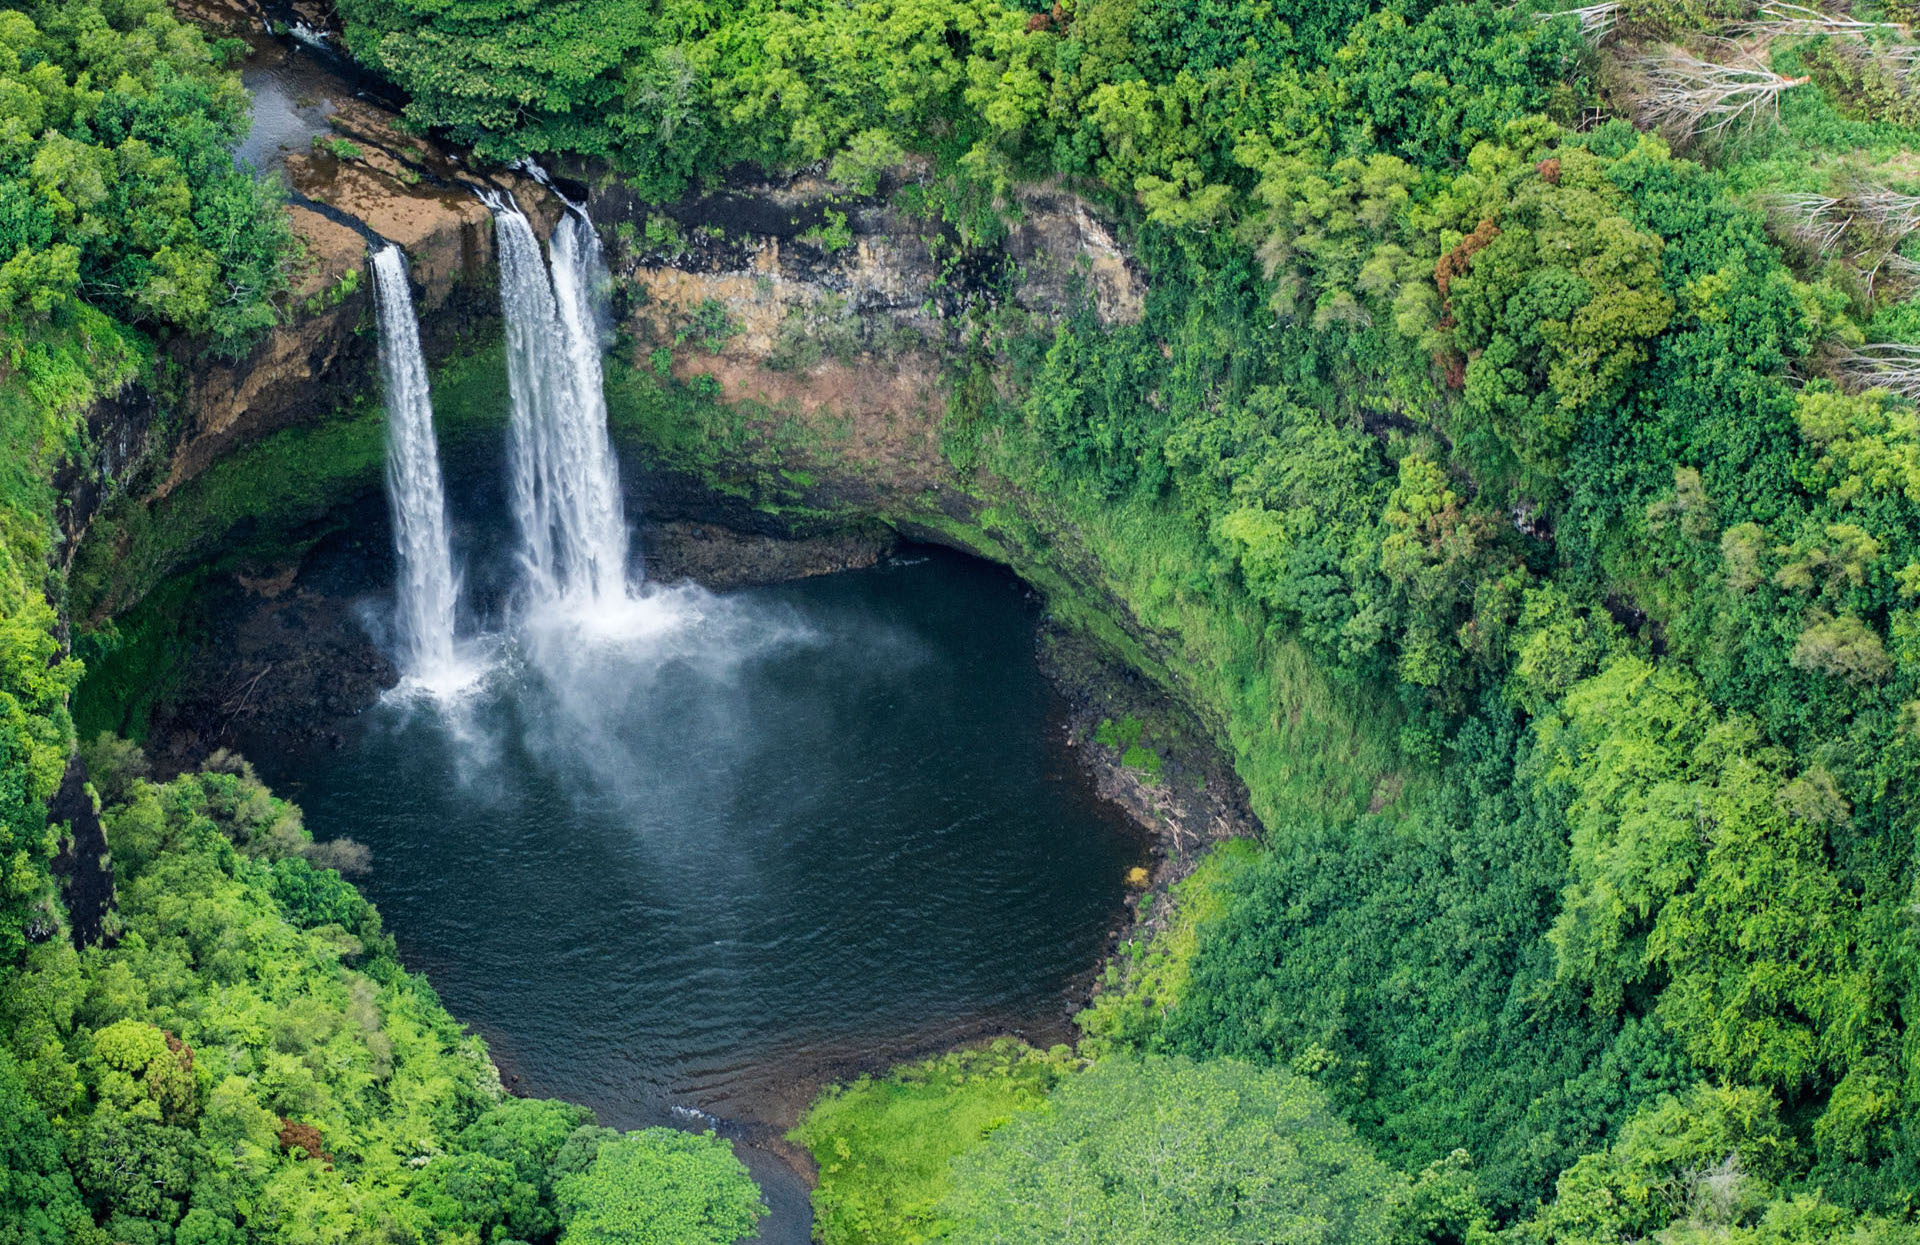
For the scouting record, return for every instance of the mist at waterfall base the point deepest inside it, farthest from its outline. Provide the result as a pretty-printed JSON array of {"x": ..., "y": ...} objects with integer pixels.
[{"x": 813, "y": 826}]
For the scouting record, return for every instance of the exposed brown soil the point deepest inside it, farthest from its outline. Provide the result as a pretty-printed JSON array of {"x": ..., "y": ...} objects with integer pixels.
[
  {"x": 871, "y": 413},
  {"x": 366, "y": 181}
]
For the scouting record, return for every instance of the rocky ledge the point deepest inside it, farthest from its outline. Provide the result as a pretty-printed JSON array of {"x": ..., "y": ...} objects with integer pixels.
[{"x": 355, "y": 180}]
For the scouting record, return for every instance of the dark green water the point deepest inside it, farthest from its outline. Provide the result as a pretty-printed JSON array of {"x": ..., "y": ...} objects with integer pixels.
[{"x": 752, "y": 841}]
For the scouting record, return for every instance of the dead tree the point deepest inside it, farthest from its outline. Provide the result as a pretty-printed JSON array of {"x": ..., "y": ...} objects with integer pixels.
[
  {"x": 1867, "y": 224},
  {"x": 1893, "y": 366},
  {"x": 1888, "y": 213},
  {"x": 1689, "y": 96},
  {"x": 1901, "y": 59},
  {"x": 1596, "y": 20},
  {"x": 1781, "y": 17},
  {"x": 1901, "y": 266},
  {"x": 1818, "y": 222}
]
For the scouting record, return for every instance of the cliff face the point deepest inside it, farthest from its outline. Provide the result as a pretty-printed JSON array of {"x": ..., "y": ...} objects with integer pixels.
[
  {"x": 834, "y": 314},
  {"x": 807, "y": 338},
  {"x": 355, "y": 181},
  {"x": 799, "y": 300},
  {"x": 821, "y": 325}
]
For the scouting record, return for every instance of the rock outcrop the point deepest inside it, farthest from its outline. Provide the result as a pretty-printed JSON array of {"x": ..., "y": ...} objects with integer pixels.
[
  {"x": 807, "y": 302},
  {"x": 801, "y": 303},
  {"x": 792, "y": 294},
  {"x": 355, "y": 179}
]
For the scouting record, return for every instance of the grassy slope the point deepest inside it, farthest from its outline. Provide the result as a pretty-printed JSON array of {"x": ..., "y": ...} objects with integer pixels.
[
  {"x": 884, "y": 1145},
  {"x": 1125, "y": 574}
]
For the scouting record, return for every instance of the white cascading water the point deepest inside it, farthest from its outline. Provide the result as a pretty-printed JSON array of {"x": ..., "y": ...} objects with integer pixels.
[
  {"x": 564, "y": 480},
  {"x": 427, "y": 588},
  {"x": 585, "y": 638}
]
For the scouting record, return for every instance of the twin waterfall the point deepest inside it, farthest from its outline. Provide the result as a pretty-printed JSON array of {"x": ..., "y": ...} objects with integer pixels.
[
  {"x": 564, "y": 483},
  {"x": 423, "y": 615},
  {"x": 564, "y": 480}
]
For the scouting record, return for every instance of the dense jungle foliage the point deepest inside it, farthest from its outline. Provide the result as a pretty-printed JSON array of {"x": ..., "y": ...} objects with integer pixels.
[
  {"x": 123, "y": 223},
  {"x": 118, "y": 189},
  {"x": 242, "y": 1059},
  {"x": 1542, "y": 382}
]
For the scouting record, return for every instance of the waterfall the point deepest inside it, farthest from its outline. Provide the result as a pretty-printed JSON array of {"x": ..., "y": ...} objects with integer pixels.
[
  {"x": 582, "y": 290},
  {"x": 427, "y": 588},
  {"x": 563, "y": 479}
]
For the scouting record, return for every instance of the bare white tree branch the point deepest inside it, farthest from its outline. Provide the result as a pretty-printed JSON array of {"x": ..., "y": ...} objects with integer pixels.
[
  {"x": 1894, "y": 366},
  {"x": 1781, "y": 17},
  {"x": 1888, "y": 213},
  {"x": 1818, "y": 221},
  {"x": 1690, "y": 96},
  {"x": 1900, "y": 265},
  {"x": 1866, "y": 223},
  {"x": 1596, "y": 20},
  {"x": 1901, "y": 59}
]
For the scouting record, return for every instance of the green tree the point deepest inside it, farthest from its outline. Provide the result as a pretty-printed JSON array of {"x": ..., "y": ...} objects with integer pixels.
[
  {"x": 885, "y": 1146},
  {"x": 138, "y": 1069},
  {"x": 1555, "y": 312},
  {"x": 116, "y": 182},
  {"x": 1164, "y": 1149},
  {"x": 659, "y": 1186},
  {"x": 1420, "y": 98},
  {"x": 531, "y": 1136},
  {"x": 38, "y": 1201},
  {"x": 1754, "y": 937},
  {"x": 1711, "y": 1155}
]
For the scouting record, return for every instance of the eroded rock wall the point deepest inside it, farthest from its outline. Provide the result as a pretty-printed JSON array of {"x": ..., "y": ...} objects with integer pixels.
[
  {"x": 807, "y": 303},
  {"x": 355, "y": 181},
  {"x": 831, "y": 318}
]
